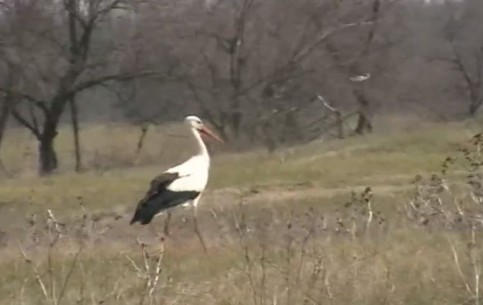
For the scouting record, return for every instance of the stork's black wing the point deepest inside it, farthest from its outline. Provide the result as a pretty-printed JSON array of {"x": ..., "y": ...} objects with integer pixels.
[{"x": 159, "y": 198}]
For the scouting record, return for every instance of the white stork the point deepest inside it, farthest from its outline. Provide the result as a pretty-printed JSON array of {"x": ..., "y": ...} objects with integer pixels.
[{"x": 181, "y": 184}]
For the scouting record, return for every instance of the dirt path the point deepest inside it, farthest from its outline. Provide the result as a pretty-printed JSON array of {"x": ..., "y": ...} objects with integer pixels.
[
  {"x": 384, "y": 185},
  {"x": 114, "y": 228},
  {"x": 292, "y": 192}
]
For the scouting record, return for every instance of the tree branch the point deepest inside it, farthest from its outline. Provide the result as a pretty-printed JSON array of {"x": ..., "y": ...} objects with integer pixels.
[
  {"x": 303, "y": 53},
  {"x": 206, "y": 112},
  {"x": 26, "y": 123},
  {"x": 115, "y": 4},
  {"x": 21, "y": 95},
  {"x": 458, "y": 60},
  {"x": 39, "y": 103},
  {"x": 108, "y": 78},
  {"x": 33, "y": 117},
  {"x": 479, "y": 66},
  {"x": 324, "y": 36}
]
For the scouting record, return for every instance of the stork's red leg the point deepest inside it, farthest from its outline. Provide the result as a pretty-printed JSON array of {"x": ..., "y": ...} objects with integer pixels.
[{"x": 197, "y": 231}]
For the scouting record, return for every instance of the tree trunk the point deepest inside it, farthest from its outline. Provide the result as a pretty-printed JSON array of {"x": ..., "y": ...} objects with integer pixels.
[
  {"x": 473, "y": 108},
  {"x": 8, "y": 101},
  {"x": 235, "y": 122},
  {"x": 47, "y": 156},
  {"x": 363, "y": 124},
  {"x": 5, "y": 111},
  {"x": 75, "y": 129}
]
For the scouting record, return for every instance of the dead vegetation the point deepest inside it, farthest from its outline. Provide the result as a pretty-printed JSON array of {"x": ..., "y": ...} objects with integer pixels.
[{"x": 417, "y": 244}]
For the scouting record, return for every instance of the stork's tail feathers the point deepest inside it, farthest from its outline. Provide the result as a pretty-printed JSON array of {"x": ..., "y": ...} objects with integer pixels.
[
  {"x": 155, "y": 204},
  {"x": 141, "y": 220},
  {"x": 142, "y": 216},
  {"x": 133, "y": 220}
]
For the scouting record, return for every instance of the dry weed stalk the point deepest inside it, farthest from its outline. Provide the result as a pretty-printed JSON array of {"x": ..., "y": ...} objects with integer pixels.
[
  {"x": 474, "y": 261},
  {"x": 361, "y": 214},
  {"x": 47, "y": 280},
  {"x": 438, "y": 204},
  {"x": 36, "y": 272},
  {"x": 282, "y": 258},
  {"x": 149, "y": 271},
  {"x": 242, "y": 233}
]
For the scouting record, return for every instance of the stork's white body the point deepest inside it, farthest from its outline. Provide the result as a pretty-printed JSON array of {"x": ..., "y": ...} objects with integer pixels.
[{"x": 193, "y": 176}]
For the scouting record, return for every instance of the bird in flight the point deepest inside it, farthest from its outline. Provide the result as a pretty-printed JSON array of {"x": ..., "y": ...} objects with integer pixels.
[{"x": 360, "y": 78}]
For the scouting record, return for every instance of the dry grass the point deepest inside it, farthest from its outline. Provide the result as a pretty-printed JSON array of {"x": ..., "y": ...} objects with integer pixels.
[
  {"x": 282, "y": 230},
  {"x": 272, "y": 254}
]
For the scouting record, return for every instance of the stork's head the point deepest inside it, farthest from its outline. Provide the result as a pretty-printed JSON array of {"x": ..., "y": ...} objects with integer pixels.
[{"x": 196, "y": 124}]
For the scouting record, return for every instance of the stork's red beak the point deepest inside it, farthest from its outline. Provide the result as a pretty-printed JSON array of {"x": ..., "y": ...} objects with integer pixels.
[{"x": 206, "y": 131}]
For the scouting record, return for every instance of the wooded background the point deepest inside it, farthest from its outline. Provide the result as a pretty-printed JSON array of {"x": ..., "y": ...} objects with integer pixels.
[{"x": 262, "y": 72}]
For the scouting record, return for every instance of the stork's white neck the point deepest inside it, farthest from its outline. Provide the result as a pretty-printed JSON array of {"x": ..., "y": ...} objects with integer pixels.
[{"x": 202, "y": 150}]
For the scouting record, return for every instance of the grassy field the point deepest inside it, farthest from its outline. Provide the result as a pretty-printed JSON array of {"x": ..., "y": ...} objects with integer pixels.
[{"x": 295, "y": 227}]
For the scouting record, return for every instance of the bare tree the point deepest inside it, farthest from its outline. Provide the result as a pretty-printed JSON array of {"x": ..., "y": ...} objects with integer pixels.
[
  {"x": 9, "y": 73},
  {"x": 252, "y": 77},
  {"x": 152, "y": 38},
  {"x": 64, "y": 65},
  {"x": 464, "y": 36},
  {"x": 365, "y": 60}
]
